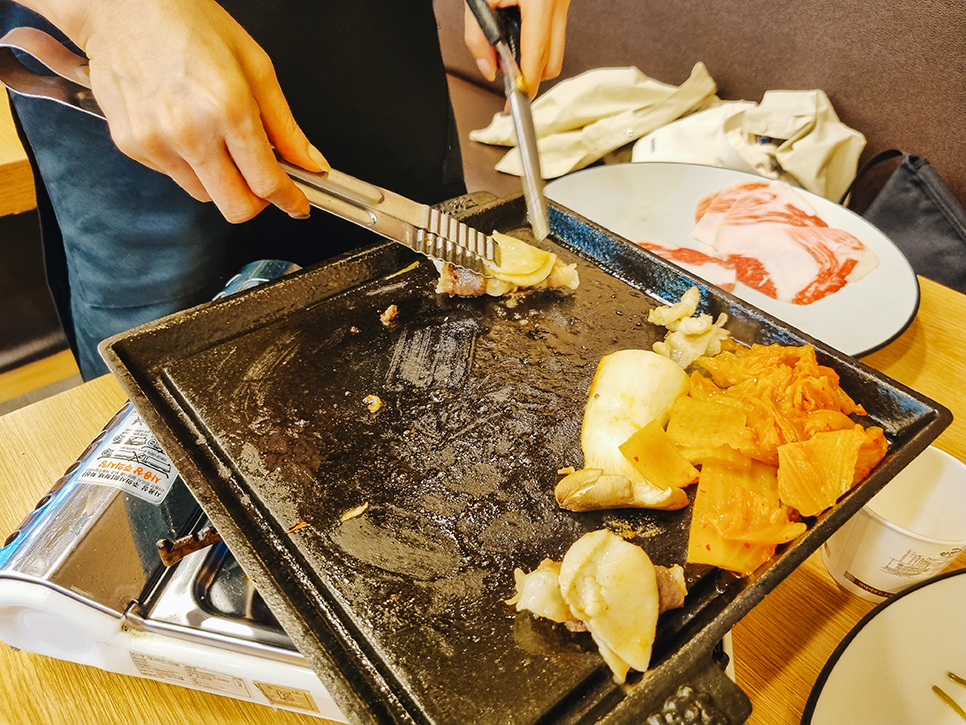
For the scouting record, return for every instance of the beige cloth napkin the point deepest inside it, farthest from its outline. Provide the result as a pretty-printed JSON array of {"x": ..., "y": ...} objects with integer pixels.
[
  {"x": 583, "y": 119},
  {"x": 792, "y": 136},
  {"x": 812, "y": 144},
  {"x": 695, "y": 139}
]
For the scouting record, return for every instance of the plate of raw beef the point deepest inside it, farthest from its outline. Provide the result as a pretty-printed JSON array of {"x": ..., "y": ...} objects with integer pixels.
[{"x": 804, "y": 259}]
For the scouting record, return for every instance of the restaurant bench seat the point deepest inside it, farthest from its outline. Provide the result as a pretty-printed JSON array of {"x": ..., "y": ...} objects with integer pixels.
[{"x": 29, "y": 327}]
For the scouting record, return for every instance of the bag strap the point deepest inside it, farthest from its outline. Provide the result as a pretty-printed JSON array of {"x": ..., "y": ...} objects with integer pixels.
[{"x": 867, "y": 166}]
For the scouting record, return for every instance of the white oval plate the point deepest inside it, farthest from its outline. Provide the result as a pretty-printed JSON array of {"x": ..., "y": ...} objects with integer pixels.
[
  {"x": 656, "y": 200},
  {"x": 884, "y": 670}
]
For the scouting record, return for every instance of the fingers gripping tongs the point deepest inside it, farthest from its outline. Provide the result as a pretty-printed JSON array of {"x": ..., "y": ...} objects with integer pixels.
[
  {"x": 502, "y": 30},
  {"x": 418, "y": 226}
]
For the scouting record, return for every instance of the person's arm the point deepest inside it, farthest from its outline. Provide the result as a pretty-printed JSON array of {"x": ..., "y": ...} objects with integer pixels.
[
  {"x": 189, "y": 93},
  {"x": 543, "y": 30}
]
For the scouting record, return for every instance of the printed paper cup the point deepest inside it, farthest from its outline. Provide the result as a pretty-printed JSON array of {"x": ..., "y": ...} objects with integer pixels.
[{"x": 911, "y": 530}]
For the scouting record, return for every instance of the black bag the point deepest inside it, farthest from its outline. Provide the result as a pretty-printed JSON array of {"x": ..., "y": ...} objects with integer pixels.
[{"x": 916, "y": 210}]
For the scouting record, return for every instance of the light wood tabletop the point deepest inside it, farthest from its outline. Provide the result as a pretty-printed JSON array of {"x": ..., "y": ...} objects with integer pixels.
[
  {"x": 780, "y": 646},
  {"x": 16, "y": 179}
]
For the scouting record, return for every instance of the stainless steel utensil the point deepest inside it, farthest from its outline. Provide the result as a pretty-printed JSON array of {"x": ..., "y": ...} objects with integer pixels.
[
  {"x": 418, "y": 226},
  {"x": 501, "y": 29}
]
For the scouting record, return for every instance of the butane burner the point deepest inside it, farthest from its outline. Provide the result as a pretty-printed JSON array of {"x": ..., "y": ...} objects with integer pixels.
[{"x": 82, "y": 578}]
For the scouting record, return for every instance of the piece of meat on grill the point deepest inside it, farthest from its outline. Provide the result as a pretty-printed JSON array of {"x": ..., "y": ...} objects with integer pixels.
[
  {"x": 608, "y": 587},
  {"x": 522, "y": 268}
]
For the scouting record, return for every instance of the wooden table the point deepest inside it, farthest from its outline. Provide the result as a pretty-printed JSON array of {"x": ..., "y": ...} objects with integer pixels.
[
  {"x": 780, "y": 647},
  {"x": 16, "y": 179}
]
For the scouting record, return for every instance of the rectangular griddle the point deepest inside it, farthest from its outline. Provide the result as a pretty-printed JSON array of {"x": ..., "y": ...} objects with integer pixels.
[{"x": 262, "y": 401}]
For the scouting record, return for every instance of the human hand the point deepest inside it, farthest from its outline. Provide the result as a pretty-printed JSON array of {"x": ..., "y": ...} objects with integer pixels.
[
  {"x": 543, "y": 29},
  {"x": 189, "y": 93}
]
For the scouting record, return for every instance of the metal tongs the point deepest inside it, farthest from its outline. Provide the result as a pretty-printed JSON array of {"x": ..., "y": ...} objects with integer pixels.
[
  {"x": 502, "y": 30},
  {"x": 418, "y": 226}
]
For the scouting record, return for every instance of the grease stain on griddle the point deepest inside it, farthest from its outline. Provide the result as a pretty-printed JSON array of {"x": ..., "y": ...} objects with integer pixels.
[
  {"x": 407, "y": 544},
  {"x": 433, "y": 357}
]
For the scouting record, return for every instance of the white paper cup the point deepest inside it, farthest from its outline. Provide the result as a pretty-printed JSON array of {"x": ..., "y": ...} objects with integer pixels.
[{"x": 909, "y": 531}]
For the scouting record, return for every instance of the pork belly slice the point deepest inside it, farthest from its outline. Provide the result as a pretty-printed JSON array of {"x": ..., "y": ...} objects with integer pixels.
[
  {"x": 779, "y": 246},
  {"x": 717, "y": 271}
]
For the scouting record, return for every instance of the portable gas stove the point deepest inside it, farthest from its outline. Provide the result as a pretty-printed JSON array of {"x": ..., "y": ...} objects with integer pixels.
[{"x": 81, "y": 578}]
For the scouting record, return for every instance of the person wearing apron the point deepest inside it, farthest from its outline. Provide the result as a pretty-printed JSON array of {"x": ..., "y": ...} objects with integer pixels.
[{"x": 125, "y": 244}]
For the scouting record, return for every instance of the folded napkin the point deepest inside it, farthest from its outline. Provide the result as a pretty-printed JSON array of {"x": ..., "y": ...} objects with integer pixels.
[
  {"x": 695, "y": 139},
  {"x": 812, "y": 145},
  {"x": 793, "y": 136},
  {"x": 582, "y": 119}
]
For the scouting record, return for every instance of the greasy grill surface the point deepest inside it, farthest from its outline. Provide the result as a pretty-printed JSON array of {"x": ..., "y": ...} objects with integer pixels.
[{"x": 263, "y": 401}]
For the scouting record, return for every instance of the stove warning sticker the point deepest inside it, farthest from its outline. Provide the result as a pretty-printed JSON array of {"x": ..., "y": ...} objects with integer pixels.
[
  {"x": 293, "y": 698},
  {"x": 203, "y": 678},
  {"x": 130, "y": 458}
]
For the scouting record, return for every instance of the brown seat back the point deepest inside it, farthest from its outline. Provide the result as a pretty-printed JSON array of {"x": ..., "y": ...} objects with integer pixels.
[{"x": 896, "y": 71}]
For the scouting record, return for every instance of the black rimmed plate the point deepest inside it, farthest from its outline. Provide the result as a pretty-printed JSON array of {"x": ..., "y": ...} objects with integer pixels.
[
  {"x": 883, "y": 672},
  {"x": 657, "y": 200}
]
